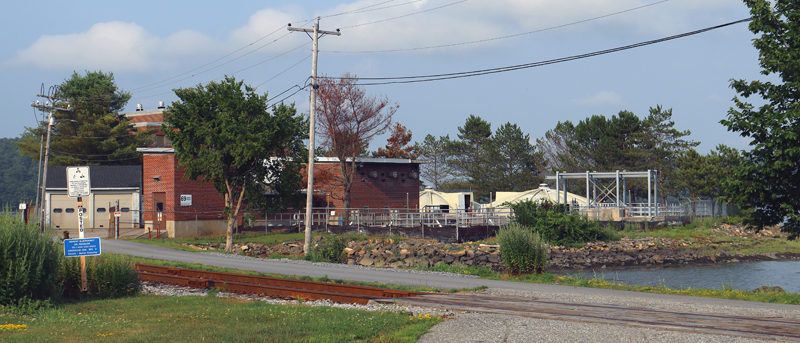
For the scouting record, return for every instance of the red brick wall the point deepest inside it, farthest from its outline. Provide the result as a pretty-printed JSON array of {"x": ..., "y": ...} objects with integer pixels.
[
  {"x": 162, "y": 167},
  {"x": 207, "y": 203},
  {"x": 374, "y": 185}
]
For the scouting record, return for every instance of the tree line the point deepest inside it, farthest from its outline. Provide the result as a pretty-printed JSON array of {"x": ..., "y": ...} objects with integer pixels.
[{"x": 764, "y": 180}]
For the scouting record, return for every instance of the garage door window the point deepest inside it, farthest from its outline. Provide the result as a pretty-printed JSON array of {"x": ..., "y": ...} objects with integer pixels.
[
  {"x": 70, "y": 210},
  {"x": 125, "y": 209},
  {"x": 57, "y": 210},
  {"x": 101, "y": 210}
]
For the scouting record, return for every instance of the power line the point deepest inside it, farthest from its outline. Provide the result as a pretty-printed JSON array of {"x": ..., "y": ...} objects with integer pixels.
[
  {"x": 170, "y": 79},
  {"x": 270, "y": 59},
  {"x": 407, "y": 14},
  {"x": 288, "y": 96},
  {"x": 446, "y": 76},
  {"x": 370, "y": 9},
  {"x": 485, "y": 40},
  {"x": 284, "y": 71}
]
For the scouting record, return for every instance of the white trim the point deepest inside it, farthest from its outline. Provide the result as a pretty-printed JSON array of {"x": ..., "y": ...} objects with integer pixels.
[
  {"x": 367, "y": 160},
  {"x": 156, "y": 150},
  {"x": 144, "y": 113},
  {"x": 147, "y": 124}
]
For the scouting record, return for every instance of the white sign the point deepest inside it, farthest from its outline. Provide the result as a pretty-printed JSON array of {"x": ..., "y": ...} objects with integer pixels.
[
  {"x": 186, "y": 200},
  {"x": 78, "y": 184},
  {"x": 23, "y": 206}
]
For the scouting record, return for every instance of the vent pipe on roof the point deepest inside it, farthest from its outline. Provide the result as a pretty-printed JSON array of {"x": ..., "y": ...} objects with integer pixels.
[
  {"x": 138, "y": 107},
  {"x": 161, "y": 105}
]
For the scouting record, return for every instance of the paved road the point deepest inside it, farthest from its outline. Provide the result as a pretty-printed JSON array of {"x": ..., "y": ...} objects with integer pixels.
[{"x": 445, "y": 280}]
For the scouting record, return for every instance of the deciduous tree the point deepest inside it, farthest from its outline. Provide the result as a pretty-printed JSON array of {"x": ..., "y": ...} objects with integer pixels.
[
  {"x": 397, "y": 144},
  {"x": 225, "y": 135},
  {"x": 769, "y": 180},
  {"x": 348, "y": 121}
]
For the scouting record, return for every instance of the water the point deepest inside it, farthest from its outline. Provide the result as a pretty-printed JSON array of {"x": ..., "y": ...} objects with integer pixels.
[{"x": 741, "y": 276}]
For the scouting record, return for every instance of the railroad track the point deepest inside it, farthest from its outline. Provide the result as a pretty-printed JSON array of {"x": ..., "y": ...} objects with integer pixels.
[
  {"x": 781, "y": 329},
  {"x": 268, "y": 286}
]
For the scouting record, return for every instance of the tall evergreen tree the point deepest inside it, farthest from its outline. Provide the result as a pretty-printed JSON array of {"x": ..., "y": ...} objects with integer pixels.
[
  {"x": 436, "y": 169},
  {"x": 92, "y": 132}
]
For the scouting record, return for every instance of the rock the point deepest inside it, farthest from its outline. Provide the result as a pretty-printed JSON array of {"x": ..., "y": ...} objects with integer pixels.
[
  {"x": 769, "y": 289},
  {"x": 494, "y": 258},
  {"x": 348, "y": 251},
  {"x": 366, "y": 261}
]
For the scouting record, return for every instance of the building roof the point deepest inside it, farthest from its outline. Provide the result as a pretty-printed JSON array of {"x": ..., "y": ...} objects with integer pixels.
[{"x": 102, "y": 177}]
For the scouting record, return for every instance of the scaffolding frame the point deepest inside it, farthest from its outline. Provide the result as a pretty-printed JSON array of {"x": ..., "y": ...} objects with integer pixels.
[{"x": 608, "y": 184}]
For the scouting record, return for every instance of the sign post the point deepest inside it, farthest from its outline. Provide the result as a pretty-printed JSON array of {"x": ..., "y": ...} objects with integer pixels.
[{"x": 79, "y": 186}]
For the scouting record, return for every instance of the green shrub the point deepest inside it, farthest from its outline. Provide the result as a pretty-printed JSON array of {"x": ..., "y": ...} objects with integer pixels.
[
  {"x": 523, "y": 251},
  {"x": 556, "y": 226},
  {"x": 29, "y": 262},
  {"x": 108, "y": 277},
  {"x": 329, "y": 249}
]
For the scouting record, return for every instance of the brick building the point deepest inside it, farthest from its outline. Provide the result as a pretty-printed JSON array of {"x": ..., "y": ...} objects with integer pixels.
[
  {"x": 190, "y": 208},
  {"x": 378, "y": 183}
]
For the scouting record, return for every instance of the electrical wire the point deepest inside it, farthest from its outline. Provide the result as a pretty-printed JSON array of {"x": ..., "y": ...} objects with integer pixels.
[
  {"x": 445, "y": 76},
  {"x": 283, "y": 71},
  {"x": 170, "y": 79},
  {"x": 288, "y": 96},
  {"x": 407, "y": 14},
  {"x": 270, "y": 59},
  {"x": 485, "y": 40},
  {"x": 370, "y": 9}
]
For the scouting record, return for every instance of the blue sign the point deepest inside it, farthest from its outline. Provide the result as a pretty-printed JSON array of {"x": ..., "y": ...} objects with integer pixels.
[{"x": 82, "y": 247}]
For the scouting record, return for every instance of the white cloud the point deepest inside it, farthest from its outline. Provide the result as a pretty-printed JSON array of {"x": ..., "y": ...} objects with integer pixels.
[
  {"x": 113, "y": 46},
  {"x": 124, "y": 46},
  {"x": 600, "y": 98}
]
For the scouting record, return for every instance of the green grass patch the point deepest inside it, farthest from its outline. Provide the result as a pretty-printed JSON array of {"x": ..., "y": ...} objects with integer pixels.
[
  {"x": 207, "y": 319},
  {"x": 251, "y": 237}
]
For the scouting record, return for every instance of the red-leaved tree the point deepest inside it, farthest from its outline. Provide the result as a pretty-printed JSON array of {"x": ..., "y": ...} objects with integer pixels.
[
  {"x": 397, "y": 144},
  {"x": 348, "y": 119}
]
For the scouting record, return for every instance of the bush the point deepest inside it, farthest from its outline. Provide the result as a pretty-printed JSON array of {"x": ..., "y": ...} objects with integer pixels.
[
  {"x": 328, "y": 250},
  {"x": 556, "y": 226},
  {"x": 108, "y": 277},
  {"x": 29, "y": 262},
  {"x": 523, "y": 251}
]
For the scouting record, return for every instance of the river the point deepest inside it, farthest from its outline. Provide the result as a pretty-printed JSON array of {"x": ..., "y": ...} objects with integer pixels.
[{"x": 740, "y": 276}]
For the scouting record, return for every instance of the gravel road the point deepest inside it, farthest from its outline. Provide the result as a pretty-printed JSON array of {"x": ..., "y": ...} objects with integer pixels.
[{"x": 472, "y": 327}]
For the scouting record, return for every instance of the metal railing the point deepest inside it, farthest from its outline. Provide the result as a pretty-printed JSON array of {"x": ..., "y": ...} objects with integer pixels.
[{"x": 371, "y": 217}]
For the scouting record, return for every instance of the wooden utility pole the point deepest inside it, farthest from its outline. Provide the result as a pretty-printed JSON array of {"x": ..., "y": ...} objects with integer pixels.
[
  {"x": 316, "y": 33},
  {"x": 51, "y": 107}
]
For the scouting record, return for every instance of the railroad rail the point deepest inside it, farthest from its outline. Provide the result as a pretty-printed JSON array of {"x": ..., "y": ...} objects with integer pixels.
[
  {"x": 772, "y": 328},
  {"x": 268, "y": 286}
]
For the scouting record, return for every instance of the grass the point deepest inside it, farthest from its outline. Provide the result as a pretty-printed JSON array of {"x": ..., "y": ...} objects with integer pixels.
[
  {"x": 250, "y": 237},
  {"x": 154, "y": 318}
]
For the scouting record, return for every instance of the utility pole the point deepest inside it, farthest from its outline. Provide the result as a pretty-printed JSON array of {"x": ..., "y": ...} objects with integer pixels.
[
  {"x": 316, "y": 33},
  {"x": 51, "y": 107}
]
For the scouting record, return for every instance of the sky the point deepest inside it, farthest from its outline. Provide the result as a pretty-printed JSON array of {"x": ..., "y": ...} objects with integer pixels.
[{"x": 152, "y": 47}]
